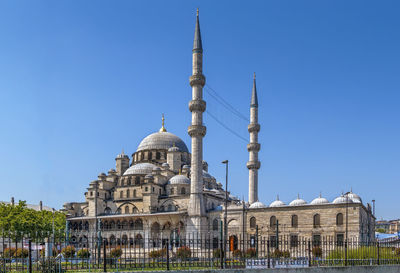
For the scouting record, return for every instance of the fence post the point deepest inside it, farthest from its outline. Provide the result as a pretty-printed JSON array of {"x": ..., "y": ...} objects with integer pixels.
[
  {"x": 222, "y": 247},
  {"x": 29, "y": 256},
  {"x": 377, "y": 244},
  {"x": 167, "y": 254},
  {"x": 345, "y": 253},
  {"x": 268, "y": 255},
  {"x": 309, "y": 253},
  {"x": 104, "y": 257}
]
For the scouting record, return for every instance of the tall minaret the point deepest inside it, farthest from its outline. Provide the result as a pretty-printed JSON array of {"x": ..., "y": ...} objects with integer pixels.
[
  {"x": 197, "y": 131},
  {"x": 253, "y": 147}
]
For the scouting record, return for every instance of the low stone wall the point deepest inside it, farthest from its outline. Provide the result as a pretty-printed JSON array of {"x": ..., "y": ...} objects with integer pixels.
[{"x": 349, "y": 269}]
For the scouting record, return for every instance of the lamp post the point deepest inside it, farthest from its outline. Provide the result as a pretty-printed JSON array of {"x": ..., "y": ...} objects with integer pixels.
[
  {"x": 347, "y": 226},
  {"x": 226, "y": 207}
]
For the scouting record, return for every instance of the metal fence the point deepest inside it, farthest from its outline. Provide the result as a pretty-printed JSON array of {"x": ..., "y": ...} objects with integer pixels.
[{"x": 100, "y": 254}]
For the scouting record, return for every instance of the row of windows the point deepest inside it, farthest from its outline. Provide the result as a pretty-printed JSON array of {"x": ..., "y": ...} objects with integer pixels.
[
  {"x": 157, "y": 156},
  {"x": 295, "y": 221}
]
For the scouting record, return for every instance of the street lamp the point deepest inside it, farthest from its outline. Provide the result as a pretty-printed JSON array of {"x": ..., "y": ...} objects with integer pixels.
[
  {"x": 226, "y": 207},
  {"x": 347, "y": 225}
]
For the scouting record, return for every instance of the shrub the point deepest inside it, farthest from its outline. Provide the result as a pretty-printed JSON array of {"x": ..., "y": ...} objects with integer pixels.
[
  {"x": 21, "y": 253},
  {"x": 116, "y": 252},
  {"x": 280, "y": 254},
  {"x": 43, "y": 252},
  {"x": 68, "y": 252},
  {"x": 317, "y": 251},
  {"x": 217, "y": 253},
  {"x": 158, "y": 253},
  {"x": 83, "y": 253},
  {"x": 9, "y": 252},
  {"x": 251, "y": 253},
  {"x": 397, "y": 252},
  {"x": 237, "y": 253},
  {"x": 183, "y": 252}
]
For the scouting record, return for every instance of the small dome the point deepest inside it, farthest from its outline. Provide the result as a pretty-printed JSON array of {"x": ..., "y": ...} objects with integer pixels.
[
  {"x": 102, "y": 174},
  {"x": 122, "y": 155},
  {"x": 148, "y": 176},
  {"x": 140, "y": 168},
  {"x": 186, "y": 167},
  {"x": 319, "y": 200},
  {"x": 111, "y": 171},
  {"x": 277, "y": 203},
  {"x": 174, "y": 149},
  {"x": 354, "y": 197},
  {"x": 298, "y": 202},
  {"x": 165, "y": 165},
  {"x": 257, "y": 205},
  {"x": 179, "y": 179},
  {"x": 342, "y": 199},
  {"x": 156, "y": 168}
]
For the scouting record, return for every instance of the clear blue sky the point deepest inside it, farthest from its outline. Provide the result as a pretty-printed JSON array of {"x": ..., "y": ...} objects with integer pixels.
[{"x": 81, "y": 80}]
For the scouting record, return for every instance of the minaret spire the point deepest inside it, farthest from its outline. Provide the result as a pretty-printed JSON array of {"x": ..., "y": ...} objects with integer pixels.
[
  {"x": 196, "y": 208},
  {"x": 253, "y": 147},
  {"x": 162, "y": 129}
]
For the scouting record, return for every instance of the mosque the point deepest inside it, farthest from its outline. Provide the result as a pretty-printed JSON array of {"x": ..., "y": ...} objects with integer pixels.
[{"x": 163, "y": 189}]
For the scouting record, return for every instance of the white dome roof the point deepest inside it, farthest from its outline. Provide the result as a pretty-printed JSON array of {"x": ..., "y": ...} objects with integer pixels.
[
  {"x": 277, "y": 203},
  {"x": 298, "y": 202},
  {"x": 354, "y": 197},
  {"x": 140, "y": 168},
  {"x": 257, "y": 205},
  {"x": 162, "y": 140},
  {"x": 342, "y": 199},
  {"x": 319, "y": 200},
  {"x": 179, "y": 179}
]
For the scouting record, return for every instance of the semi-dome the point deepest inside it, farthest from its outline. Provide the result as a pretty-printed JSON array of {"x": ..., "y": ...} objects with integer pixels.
[
  {"x": 298, "y": 202},
  {"x": 163, "y": 141},
  {"x": 342, "y": 199},
  {"x": 179, "y": 179},
  {"x": 257, "y": 205},
  {"x": 277, "y": 203},
  {"x": 319, "y": 200},
  {"x": 140, "y": 168}
]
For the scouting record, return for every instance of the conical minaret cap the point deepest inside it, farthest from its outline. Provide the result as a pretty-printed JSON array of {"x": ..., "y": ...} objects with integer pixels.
[
  {"x": 254, "y": 99},
  {"x": 197, "y": 45}
]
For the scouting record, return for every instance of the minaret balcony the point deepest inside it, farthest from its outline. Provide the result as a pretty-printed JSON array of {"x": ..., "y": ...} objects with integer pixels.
[
  {"x": 197, "y": 130},
  {"x": 253, "y": 127},
  {"x": 253, "y": 147},
  {"x": 197, "y": 106},
  {"x": 253, "y": 165},
  {"x": 197, "y": 79}
]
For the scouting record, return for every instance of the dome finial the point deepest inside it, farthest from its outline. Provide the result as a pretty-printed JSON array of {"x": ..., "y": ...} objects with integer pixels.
[{"x": 162, "y": 124}]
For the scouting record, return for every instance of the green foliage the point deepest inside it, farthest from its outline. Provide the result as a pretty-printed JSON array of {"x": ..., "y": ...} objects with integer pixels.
[
  {"x": 280, "y": 254},
  {"x": 158, "y": 253},
  {"x": 83, "y": 253},
  {"x": 183, "y": 252},
  {"x": 17, "y": 221},
  {"x": 68, "y": 252},
  {"x": 237, "y": 253},
  {"x": 317, "y": 251},
  {"x": 217, "y": 253},
  {"x": 116, "y": 252},
  {"x": 43, "y": 252},
  {"x": 251, "y": 253},
  {"x": 380, "y": 230},
  {"x": 365, "y": 252}
]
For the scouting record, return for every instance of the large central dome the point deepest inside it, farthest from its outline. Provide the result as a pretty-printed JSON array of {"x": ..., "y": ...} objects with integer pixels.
[{"x": 162, "y": 140}]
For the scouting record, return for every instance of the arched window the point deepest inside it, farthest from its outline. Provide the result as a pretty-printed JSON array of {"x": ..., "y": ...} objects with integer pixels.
[
  {"x": 139, "y": 224},
  {"x": 128, "y": 193},
  {"x": 172, "y": 190},
  {"x": 137, "y": 180},
  {"x": 215, "y": 225},
  {"x": 138, "y": 241},
  {"x": 158, "y": 155},
  {"x": 86, "y": 227},
  {"x": 141, "y": 156},
  {"x": 107, "y": 211},
  {"x": 124, "y": 240},
  {"x": 253, "y": 222},
  {"x": 121, "y": 194},
  {"x": 150, "y": 155},
  {"x": 129, "y": 181},
  {"x": 339, "y": 219},
  {"x": 295, "y": 221},
  {"x": 135, "y": 210},
  {"x": 183, "y": 191},
  {"x": 272, "y": 222},
  {"x": 112, "y": 225},
  {"x": 127, "y": 210},
  {"x": 317, "y": 220},
  {"x": 169, "y": 207}
]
